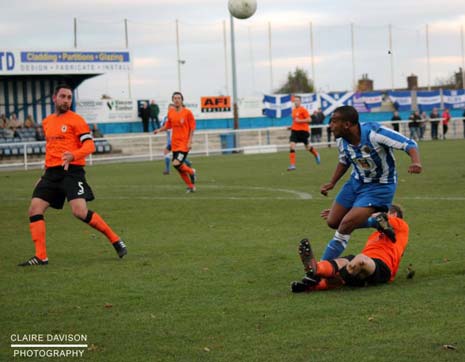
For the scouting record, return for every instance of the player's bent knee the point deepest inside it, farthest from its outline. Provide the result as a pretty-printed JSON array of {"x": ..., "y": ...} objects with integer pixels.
[
  {"x": 80, "y": 213},
  {"x": 332, "y": 224}
]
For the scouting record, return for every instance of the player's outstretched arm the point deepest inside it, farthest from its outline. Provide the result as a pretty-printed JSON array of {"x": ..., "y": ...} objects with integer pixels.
[
  {"x": 415, "y": 166},
  {"x": 161, "y": 129},
  {"x": 341, "y": 169}
]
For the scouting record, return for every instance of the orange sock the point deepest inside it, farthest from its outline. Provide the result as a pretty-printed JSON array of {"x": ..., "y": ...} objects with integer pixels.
[
  {"x": 313, "y": 151},
  {"x": 95, "y": 220},
  {"x": 292, "y": 158},
  {"x": 325, "y": 269},
  {"x": 37, "y": 228},
  {"x": 186, "y": 169},
  {"x": 186, "y": 178},
  {"x": 327, "y": 284}
]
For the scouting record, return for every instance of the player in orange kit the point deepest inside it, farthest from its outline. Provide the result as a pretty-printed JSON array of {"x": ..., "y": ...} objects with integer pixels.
[
  {"x": 300, "y": 132},
  {"x": 377, "y": 263},
  {"x": 182, "y": 122},
  {"x": 68, "y": 142}
]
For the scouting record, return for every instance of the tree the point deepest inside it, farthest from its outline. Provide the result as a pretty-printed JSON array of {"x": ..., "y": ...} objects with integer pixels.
[{"x": 297, "y": 82}]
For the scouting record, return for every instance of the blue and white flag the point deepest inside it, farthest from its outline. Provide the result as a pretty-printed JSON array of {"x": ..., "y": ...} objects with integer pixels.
[
  {"x": 402, "y": 100},
  {"x": 310, "y": 101},
  {"x": 365, "y": 102},
  {"x": 372, "y": 99},
  {"x": 427, "y": 100},
  {"x": 454, "y": 99},
  {"x": 277, "y": 106},
  {"x": 330, "y": 101}
]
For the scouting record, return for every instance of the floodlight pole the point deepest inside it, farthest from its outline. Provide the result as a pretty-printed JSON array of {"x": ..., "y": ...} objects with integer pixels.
[
  {"x": 312, "y": 57},
  {"x": 178, "y": 55},
  {"x": 126, "y": 43},
  {"x": 428, "y": 61},
  {"x": 391, "y": 56},
  {"x": 234, "y": 75},
  {"x": 463, "y": 56}
]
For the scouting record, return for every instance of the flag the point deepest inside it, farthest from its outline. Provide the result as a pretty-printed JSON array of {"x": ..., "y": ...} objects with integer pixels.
[
  {"x": 427, "y": 100},
  {"x": 372, "y": 99},
  {"x": 330, "y": 101},
  {"x": 310, "y": 101},
  {"x": 402, "y": 100},
  {"x": 454, "y": 99},
  {"x": 277, "y": 106}
]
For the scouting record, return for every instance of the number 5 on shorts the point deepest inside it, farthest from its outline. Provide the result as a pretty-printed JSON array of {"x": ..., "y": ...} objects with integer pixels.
[{"x": 81, "y": 188}]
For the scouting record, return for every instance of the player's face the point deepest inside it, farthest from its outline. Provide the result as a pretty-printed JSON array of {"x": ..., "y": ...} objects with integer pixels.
[
  {"x": 177, "y": 100},
  {"x": 297, "y": 102},
  {"x": 337, "y": 125},
  {"x": 63, "y": 100}
]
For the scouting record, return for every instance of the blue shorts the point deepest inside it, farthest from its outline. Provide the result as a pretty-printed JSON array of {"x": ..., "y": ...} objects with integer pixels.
[{"x": 357, "y": 194}]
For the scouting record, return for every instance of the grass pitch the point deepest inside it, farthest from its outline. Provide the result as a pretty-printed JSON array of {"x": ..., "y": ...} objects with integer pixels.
[{"x": 207, "y": 275}]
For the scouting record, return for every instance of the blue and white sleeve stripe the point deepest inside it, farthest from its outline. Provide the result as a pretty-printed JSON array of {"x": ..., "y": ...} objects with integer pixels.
[{"x": 390, "y": 138}]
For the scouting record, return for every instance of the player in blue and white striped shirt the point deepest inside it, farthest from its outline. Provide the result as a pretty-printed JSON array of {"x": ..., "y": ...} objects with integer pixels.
[{"x": 368, "y": 147}]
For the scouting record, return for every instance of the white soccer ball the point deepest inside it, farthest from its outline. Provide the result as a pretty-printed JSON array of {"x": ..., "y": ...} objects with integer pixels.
[{"x": 242, "y": 9}]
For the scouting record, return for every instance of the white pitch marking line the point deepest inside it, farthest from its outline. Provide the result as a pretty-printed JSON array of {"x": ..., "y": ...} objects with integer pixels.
[{"x": 49, "y": 346}]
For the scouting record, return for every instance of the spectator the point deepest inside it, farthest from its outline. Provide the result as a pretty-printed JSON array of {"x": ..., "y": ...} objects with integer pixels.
[
  {"x": 445, "y": 122},
  {"x": 154, "y": 112},
  {"x": 395, "y": 118},
  {"x": 317, "y": 120},
  {"x": 3, "y": 121},
  {"x": 29, "y": 122},
  {"x": 424, "y": 119},
  {"x": 434, "y": 117},
  {"x": 144, "y": 114},
  {"x": 40, "y": 135},
  {"x": 96, "y": 132},
  {"x": 414, "y": 125},
  {"x": 14, "y": 122},
  {"x": 463, "y": 120}
]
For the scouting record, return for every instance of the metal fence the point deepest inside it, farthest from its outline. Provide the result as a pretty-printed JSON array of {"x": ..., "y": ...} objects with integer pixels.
[{"x": 148, "y": 147}]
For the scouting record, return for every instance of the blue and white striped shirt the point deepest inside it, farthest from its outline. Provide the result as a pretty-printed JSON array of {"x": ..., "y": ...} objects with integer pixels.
[{"x": 373, "y": 159}]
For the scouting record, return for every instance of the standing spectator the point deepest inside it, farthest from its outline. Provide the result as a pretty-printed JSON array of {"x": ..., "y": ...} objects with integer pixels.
[
  {"x": 424, "y": 119},
  {"x": 154, "y": 112},
  {"x": 3, "y": 121},
  {"x": 318, "y": 119},
  {"x": 96, "y": 133},
  {"x": 463, "y": 120},
  {"x": 14, "y": 122},
  {"x": 445, "y": 122},
  {"x": 395, "y": 118},
  {"x": 434, "y": 117},
  {"x": 144, "y": 114},
  {"x": 414, "y": 125}
]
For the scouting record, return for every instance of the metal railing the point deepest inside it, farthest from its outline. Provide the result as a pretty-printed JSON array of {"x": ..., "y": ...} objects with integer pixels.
[{"x": 149, "y": 147}]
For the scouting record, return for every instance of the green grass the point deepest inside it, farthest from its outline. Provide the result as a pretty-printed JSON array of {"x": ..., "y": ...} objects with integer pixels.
[{"x": 212, "y": 270}]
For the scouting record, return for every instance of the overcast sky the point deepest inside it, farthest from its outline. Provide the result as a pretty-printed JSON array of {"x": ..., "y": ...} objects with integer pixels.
[{"x": 48, "y": 25}]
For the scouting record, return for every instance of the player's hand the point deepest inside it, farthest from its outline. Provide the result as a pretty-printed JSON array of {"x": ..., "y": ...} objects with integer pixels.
[
  {"x": 156, "y": 131},
  {"x": 67, "y": 158},
  {"x": 325, "y": 213},
  {"x": 325, "y": 188},
  {"x": 289, "y": 128},
  {"x": 415, "y": 168},
  {"x": 189, "y": 146}
]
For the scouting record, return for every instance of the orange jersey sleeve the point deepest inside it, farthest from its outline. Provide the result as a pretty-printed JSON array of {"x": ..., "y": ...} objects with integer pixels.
[
  {"x": 67, "y": 132},
  {"x": 379, "y": 246},
  {"x": 182, "y": 124},
  {"x": 300, "y": 113}
]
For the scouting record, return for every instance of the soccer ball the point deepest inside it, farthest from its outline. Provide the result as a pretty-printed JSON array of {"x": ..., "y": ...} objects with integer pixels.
[{"x": 242, "y": 9}]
